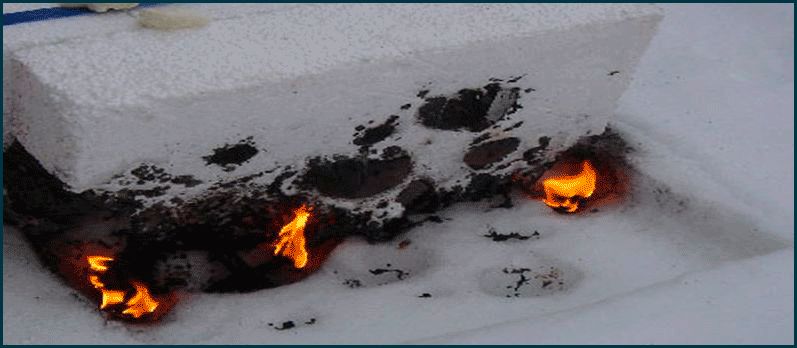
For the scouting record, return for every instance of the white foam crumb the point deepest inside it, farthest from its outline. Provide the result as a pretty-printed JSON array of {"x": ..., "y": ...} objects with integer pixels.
[
  {"x": 102, "y": 7},
  {"x": 171, "y": 18}
]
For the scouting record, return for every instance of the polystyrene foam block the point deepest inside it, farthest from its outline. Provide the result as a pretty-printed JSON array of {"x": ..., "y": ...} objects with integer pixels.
[{"x": 254, "y": 93}]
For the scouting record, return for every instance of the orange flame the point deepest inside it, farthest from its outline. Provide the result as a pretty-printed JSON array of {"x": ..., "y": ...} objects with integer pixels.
[
  {"x": 141, "y": 303},
  {"x": 111, "y": 297},
  {"x": 562, "y": 191},
  {"x": 97, "y": 263},
  {"x": 95, "y": 281},
  {"x": 291, "y": 241}
]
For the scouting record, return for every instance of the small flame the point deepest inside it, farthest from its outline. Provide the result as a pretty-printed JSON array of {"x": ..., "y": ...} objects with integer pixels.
[
  {"x": 291, "y": 241},
  {"x": 95, "y": 281},
  {"x": 111, "y": 297},
  {"x": 97, "y": 263},
  {"x": 141, "y": 303},
  {"x": 561, "y": 191}
]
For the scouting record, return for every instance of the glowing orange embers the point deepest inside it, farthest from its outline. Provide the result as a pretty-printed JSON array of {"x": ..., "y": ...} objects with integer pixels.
[
  {"x": 565, "y": 192},
  {"x": 138, "y": 305},
  {"x": 291, "y": 242}
]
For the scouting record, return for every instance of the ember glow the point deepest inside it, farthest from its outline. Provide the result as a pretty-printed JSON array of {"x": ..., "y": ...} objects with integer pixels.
[
  {"x": 564, "y": 192},
  {"x": 291, "y": 241}
]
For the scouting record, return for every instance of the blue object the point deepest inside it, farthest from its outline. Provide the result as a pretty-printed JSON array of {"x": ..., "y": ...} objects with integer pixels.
[{"x": 44, "y": 14}]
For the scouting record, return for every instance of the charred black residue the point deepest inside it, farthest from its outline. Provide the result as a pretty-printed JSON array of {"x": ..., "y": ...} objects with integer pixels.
[
  {"x": 499, "y": 237},
  {"x": 515, "y": 79},
  {"x": 472, "y": 109},
  {"x": 514, "y": 126},
  {"x": 483, "y": 155},
  {"x": 284, "y": 326},
  {"x": 608, "y": 142},
  {"x": 186, "y": 180},
  {"x": 423, "y": 93},
  {"x": 33, "y": 192},
  {"x": 230, "y": 156},
  {"x": 522, "y": 279},
  {"x": 485, "y": 185},
  {"x": 406, "y": 106},
  {"x": 425, "y": 295},
  {"x": 375, "y": 134},
  {"x": 146, "y": 173},
  {"x": 419, "y": 197},
  {"x": 393, "y": 152},
  {"x": 480, "y": 138},
  {"x": 356, "y": 177},
  {"x": 534, "y": 155},
  {"x": 148, "y": 193},
  {"x": 353, "y": 283},
  {"x": 240, "y": 182},
  {"x": 614, "y": 72},
  {"x": 400, "y": 274},
  {"x": 149, "y": 173}
]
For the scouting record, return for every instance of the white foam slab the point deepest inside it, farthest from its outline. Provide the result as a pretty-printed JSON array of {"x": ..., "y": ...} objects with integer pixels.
[{"x": 299, "y": 79}]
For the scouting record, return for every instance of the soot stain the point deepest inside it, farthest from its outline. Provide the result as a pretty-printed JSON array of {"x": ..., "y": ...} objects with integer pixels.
[
  {"x": 534, "y": 155},
  {"x": 353, "y": 283},
  {"x": 499, "y": 237},
  {"x": 229, "y": 156},
  {"x": 522, "y": 279},
  {"x": 467, "y": 109},
  {"x": 376, "y": 134},
  {"x": 150, "y": 173},
  {"x": 400, "y": 274},
  {"x": 419, "y": 197}
]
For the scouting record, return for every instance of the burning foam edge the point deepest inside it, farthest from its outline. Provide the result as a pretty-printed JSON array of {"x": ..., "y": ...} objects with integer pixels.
[{"x": 156, "y": 247}]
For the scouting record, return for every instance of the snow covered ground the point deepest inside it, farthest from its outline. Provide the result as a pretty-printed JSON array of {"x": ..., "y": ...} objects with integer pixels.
[{"x": 701, "y": 253}]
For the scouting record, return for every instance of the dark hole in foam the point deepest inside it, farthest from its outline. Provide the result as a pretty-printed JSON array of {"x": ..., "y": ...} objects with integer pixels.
[
  {"x": 470, "y": 109},
  {"x": 348, "y": 177},
  {"x": 485, "y": 154}
]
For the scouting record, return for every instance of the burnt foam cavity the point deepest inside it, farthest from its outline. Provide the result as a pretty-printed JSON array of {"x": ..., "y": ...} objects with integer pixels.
[
  {"x": 485, "y": 154},
  {"x": 229, "y": 156},
  {"x": 419, "y": 197},
  {"x": 357, "y": 177},
  {"x": 473, "y": 109}
]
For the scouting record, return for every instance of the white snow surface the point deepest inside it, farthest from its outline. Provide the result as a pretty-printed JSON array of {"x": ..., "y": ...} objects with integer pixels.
[{"x": 702, "y": 252}]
